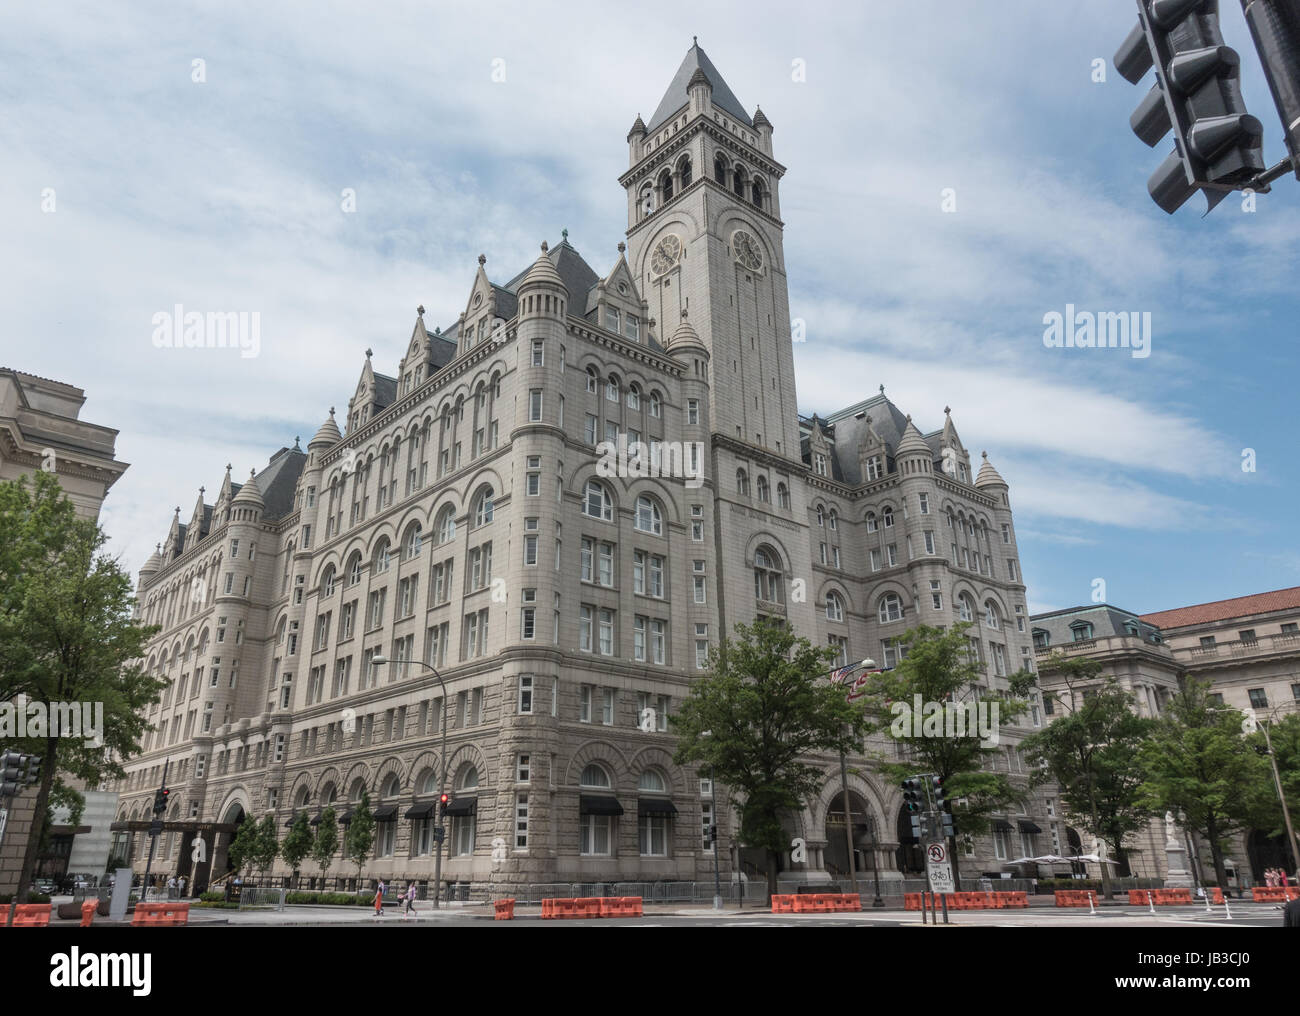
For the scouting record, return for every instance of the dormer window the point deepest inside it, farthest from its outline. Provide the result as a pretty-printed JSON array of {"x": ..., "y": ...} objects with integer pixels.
[
  {"x": 819, "y": 463},
  {"x": 612, "y": 319},
  {"x": 1042, "y": 639},
  {"x": 632, "y": 329},
  {"x": 1081, "y": 630}
]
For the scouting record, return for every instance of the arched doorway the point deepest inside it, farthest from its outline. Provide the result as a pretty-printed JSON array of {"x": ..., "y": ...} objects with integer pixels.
[
  {"x": 221, "y": 850},
  {"x": 911, "y": 859},
  {"x": 1077, "y": 868},
  {"x": 864, "y": 835},
  {"x": 1265, "y": 851}
]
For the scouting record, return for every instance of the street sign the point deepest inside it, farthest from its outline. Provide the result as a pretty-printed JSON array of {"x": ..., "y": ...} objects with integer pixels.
[{"x": 939, "y": 868}]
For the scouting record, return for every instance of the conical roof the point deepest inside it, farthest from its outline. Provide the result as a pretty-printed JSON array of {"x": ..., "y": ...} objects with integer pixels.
[
  {"x": 912, "y": 441},
  {"x": 988, "y": 476},
  {"x": 676, "y": 96},
  {"x": 155, "y": 560},
  {"x": 684, "y": 335},
  {"x": 542, "y": 273},
  {"x": 328, "y": 433},
  {"x": 249, "y": 493}
]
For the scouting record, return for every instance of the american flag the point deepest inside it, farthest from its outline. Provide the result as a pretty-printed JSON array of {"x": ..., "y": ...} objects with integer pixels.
[{"x": 838, "y": 676}]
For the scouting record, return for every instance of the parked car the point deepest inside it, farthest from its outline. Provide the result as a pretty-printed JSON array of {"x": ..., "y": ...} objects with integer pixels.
[{"x": 46, "y": 886}]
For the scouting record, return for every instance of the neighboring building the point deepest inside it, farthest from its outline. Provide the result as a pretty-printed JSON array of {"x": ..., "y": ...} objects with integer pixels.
[
  {"x": 1248, "y": 647},
  {"x": 39, "y": 430},
  {"x": 462, "y": 518}
]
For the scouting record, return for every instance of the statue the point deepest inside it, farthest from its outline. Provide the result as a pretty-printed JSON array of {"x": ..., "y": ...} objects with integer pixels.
[{"x": 1171, "y": 836}]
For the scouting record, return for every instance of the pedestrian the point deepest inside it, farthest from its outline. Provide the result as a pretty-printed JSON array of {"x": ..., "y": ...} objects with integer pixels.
[
  {"x": 410, "y": 899},
  {"x": 1291, "y": 916},
  {"x": 180, "y": 886},
  {"x": 171, "y": 887},
  {"x": 379, "y": 900}
]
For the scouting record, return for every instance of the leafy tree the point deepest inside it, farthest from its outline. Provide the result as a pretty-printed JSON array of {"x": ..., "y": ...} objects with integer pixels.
[
  {"x": 67, "y": 635},
  {"x": 1285, "y": 737},
  {"x": 243, "y": 848},
  {"x": 1092, "y": 752},
  {"x": 1198, "y": 762},
  {"x": 939, "y": 668},
  {"x": 326, "y": 843},
  {"x": 297, "y": 844},
  {"x": 266, "y": 845},
  {"x": 756, "y": 718},
  {"x": 361, "y": 833}
]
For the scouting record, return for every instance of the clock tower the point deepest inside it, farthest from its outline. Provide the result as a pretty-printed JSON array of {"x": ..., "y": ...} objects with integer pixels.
[{"x": 705, "y": 237}]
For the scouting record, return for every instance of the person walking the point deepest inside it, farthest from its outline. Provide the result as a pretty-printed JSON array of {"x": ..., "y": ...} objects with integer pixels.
[
  {"x": 379, "y": 900},
  {"x": 410, "y": 900},
  {"x": 180, "y": 887},
  {"x": 1291, "y": 915}
]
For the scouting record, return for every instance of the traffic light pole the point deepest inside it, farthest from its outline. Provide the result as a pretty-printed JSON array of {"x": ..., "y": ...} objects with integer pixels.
[
  {"x": 154, "y": 829},
  {"x": 1275, "y": 29}
]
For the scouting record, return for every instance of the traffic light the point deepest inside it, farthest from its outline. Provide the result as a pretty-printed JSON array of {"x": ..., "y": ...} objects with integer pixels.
[
  {"x": 160, "y": 801},
  {"x": 912, "y": 795},
  {"x": 32, "y": 769},
  {"x": 1198, "y": 94},
  {"x": 443, "y": 801},
  {"x": 10, "y": 773},
  {"x": 936, "y": 788},
  {"x": 713, "y": 834}
]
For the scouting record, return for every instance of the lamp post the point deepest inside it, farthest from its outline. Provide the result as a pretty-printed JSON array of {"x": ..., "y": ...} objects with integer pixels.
[
  {"x": 379, "y": 661},
  {"x": 713, "y": 831},
  {"x": 844, "y": 673}
]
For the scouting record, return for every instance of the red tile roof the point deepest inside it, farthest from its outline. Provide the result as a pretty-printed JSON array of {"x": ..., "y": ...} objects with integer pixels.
[{"x": 1223, "y": 610}]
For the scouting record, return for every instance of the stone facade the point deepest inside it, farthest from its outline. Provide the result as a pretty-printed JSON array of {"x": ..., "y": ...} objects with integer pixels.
[{"x": 465, "y": 518}]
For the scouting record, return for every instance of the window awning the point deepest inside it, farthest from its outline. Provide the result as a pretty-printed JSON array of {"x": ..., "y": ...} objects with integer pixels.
[
  {"x": 461, "y": 806},
  {"x": 1001, "y": 826},
  {"x": 346, "y": 818},
  {"x": 598, "y": 804},
  {"x": 292, "y": 819},
  {"x": 386, "y": 813},
  {"x": 1027, "y": 826},
  {"x": 655, "y": 806},
  {"x": 420, "y": 810}
]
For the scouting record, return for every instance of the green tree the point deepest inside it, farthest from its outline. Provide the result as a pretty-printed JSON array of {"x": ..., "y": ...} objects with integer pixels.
[
  {"x": 242, "y": 852},
  {"x": 1092, "y": 752},
  {"x": 1198, "y": 762},
  {"x": 67, "y": 635},
  {"x": 360, "y": 834},
  {"x": 939, "y": 668},
  {"x": 266, "y": 846},
  {"x": 326, "y": 843},
  {"x": 1284, "y": 735},
  {"x": 298, "y": 843},
  {"x": 766, "y": 711}
]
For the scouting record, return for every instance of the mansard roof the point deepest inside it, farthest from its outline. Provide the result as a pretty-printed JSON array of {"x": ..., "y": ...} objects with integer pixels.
[
  {"x": 677, "y": 94},
  {"x": 278, "y": 482},
  {"x": 577, "y": 276}
]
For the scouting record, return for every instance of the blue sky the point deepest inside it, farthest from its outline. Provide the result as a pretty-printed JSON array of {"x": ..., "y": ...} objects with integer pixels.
[{"x": 225, "y": 194}]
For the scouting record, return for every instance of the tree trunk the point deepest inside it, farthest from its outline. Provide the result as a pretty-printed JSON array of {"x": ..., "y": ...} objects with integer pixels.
[
  {"x": 49, "y": 766},
  {"x": 1216, "y": 852},
  {"x": 952, "y": 856},
  {"x": 771, "y": 875},
  {"x": 1108, "y": 891}
]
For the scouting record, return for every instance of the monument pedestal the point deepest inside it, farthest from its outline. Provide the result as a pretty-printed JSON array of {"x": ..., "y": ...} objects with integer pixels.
[{"x": 1179, "y": 877}]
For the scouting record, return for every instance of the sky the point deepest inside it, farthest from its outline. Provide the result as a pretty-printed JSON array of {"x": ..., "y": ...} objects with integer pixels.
[{"x": 955, "y": 173}]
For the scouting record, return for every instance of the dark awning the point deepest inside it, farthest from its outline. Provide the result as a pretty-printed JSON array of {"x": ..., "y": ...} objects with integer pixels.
[
  {"x": 316, "y": 820},
  {"x": 420, "y": 810},
  {"x": 655, "y": 806},
  {"x": 1027, "y": 826},
  {"x": 346, "y": 818},
  {"x": 1002, "y": 826},
  {"x": 387, "y": 813},
  {"x": 461, "y": 806},
  {"x": 598, "y": 804}
]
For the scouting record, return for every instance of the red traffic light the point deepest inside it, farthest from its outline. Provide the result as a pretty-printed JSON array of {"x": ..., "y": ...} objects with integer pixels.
[{"x": 444, "y": 798}]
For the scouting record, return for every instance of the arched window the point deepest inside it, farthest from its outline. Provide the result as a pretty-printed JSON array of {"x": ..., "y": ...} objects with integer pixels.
[
  {"x": 738, "y": 180},
  {"x": 381, "y": 559},
  {"x": 742, "y": 483},
  {"x": 685, "y": 171},
  {"x": 834, "y": 607},
  {"x": 612, "y": 388},
  {"x": 633, "y": 396},
  {"x": 782, "y": 495},
  {"x": 656, "y": 405},
  {"x": 891, "y": 608},
  {"x": 392, "y": 786},
  {"x": 887, "y": 517},
  {"x": 871, "y": 522},
  {"x": 756, "y": 192},
  {"x": 649, "y": 519},
  {"x": 411, "y": 545},
  {"x": 428, "y": 782},
  {"x": 965, "y": 607},
  {"x": 720, "y": 170},
  {"x": 834, "y": 520},
  {"x": 329, "y": 795},
  {"x": 652, "y": 782},
  {"x": 647, "y": 202},
  {"x": 467, "y": 778},
  {"x": 444, "y": 526},
  {"x": 327, "y": 583},
  {"x": 483, "y": 507},
  {"x": 992, "y": 618},
  {"x": 597, "y": 503},
  {"x": 666, "y": 186},
  {"x": 768, "y": 581},
  {"x": 764, "y": 492},
  {"x": 301, "y": 798},
  {"x": 821, "y": 516},
  {"x": 593, "y": 379},
  {"x": 594, "y": 776},
  {"x": 355, "y": 791}
]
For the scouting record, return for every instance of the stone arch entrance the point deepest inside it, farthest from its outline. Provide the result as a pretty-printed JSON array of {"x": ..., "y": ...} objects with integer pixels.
[
  {"x": 1264, "y": 851},
  {"x": 864, "y": 831},
  {"x": 234, "y": 815}
]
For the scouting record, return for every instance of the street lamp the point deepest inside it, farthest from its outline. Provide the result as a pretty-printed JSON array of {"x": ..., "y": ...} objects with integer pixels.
[
  {"x": 844, "y": 673},
  {"x": 713, "y": 831},
  {"x": 439, "y": 831}
]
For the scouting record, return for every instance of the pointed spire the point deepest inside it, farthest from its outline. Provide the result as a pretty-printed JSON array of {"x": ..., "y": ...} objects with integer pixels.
[
  {"x": 249, "y": 494},
  {"x": 328, "y": 433},
  {"x": 638, "y": 127},
  {"x": 912, "y": 442},
  {"x": 684, "y": 335},
  {"x": 542, "y": 272},
  {"x": 989, "y": 477},
  {"x": 677, "y": 95}
]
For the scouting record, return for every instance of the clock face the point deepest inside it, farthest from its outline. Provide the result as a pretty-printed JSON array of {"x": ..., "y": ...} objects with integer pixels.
[
  {"x": 667, "y": 253},
  {"x": 746, "y": 250}
]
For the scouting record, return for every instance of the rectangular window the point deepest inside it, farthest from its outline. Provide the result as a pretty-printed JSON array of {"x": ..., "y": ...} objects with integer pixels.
[
  {"x": 699, "y": 588},
  {"x": 521, "y": 821},
  {"x": 593, "y": 835},
  {"x": 638, "y": 638},
  {"x": 892, "y": 554},
  {"x": 701, "y": 646},
  {"x": 589, "y": 431},
  {"x": 925, "y": 504},
  {"x": 584, "y": 703},
  {"x": 535, "y": 404},
  {"x": 525, "y": 695},
  {"x": 530, "y": 550},
  {"x": 539, "y": 352},
  {"x": 606, "y": 564},
  {"x": 929, "y": 541},
  {"x": 584, "y": 629},
  {"x": 653, "y": 835},
  {"x": 607, "y": 632},
  {"x": 1006, "y": 533},
  {"x": 607, "y": 707},
  {"x": 1258, "y": 698},
  {"x": 527, "y": 622},
  {"x": 693, "y": 411},
  {"x": 658, "y": 632}
]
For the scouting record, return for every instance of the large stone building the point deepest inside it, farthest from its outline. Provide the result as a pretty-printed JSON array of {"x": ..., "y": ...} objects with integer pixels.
[
  {"x": 1247, "y": 647},
  {"x": 40, "y": 430},
  {"x": 463, "y": 517}
]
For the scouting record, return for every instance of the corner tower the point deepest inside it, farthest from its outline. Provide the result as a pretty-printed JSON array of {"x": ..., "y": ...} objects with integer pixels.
[{"x": 705, "y": 236}]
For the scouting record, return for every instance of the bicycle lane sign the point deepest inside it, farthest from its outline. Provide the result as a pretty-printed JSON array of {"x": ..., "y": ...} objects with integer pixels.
[{"x": 939, "y": 868}]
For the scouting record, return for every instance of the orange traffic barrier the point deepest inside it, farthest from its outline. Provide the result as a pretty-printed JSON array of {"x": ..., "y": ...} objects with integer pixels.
[
  {"x": 586, "y": 906},
  {"x": 88, "y": 912},
  {"x": 1274, "y": 893},
  {"x": 1004, "y": 900},
  {"x": 505, "y": 910},
  {"x": 1138, "y": 897},
  {"x": 912, "y": 901},
  {"x": 783, "y": 904},
  {"x": 160, "y": 915},
  {"x": 1216, "y": 895},
  {"x": 29, "y": 915},
  {"x": 1075, "y": 897},
  {"x": 851, "y": 903},
  {"x": 633, "y": 906}
]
